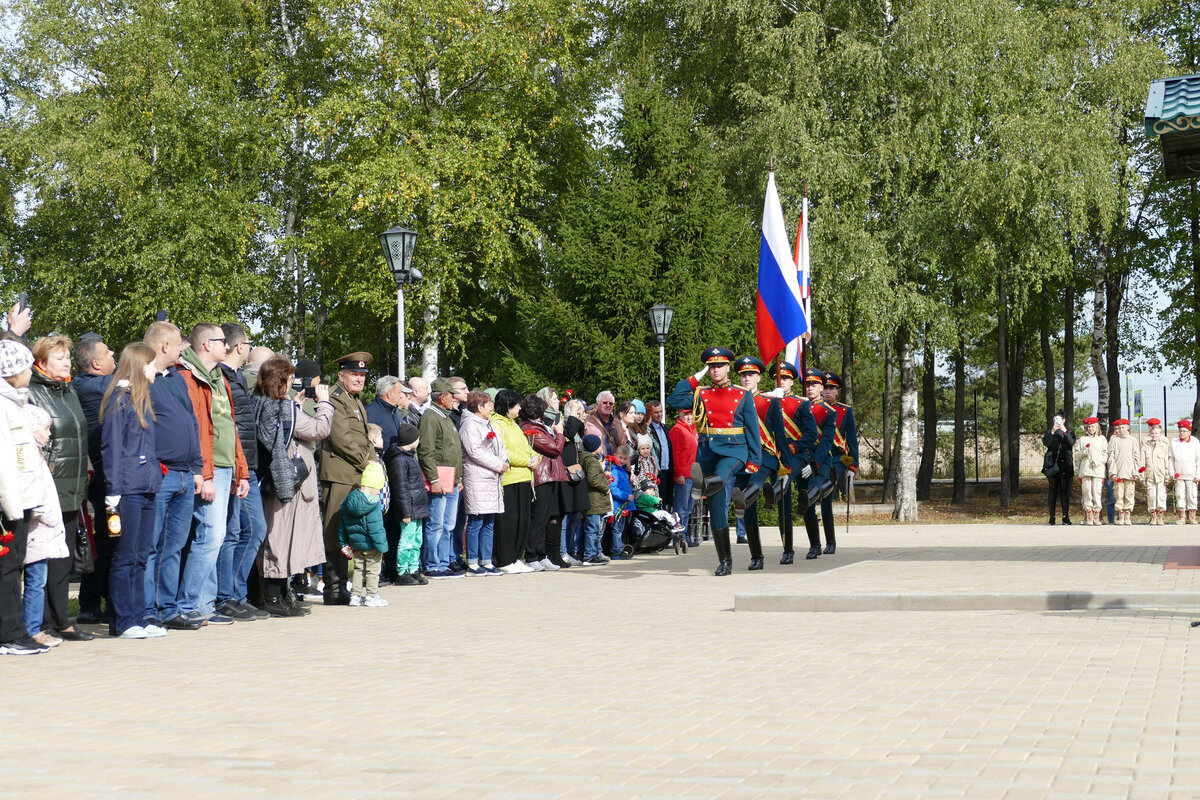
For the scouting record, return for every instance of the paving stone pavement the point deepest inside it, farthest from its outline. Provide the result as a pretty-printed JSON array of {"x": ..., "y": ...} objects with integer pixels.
[{"x": 638, "y": 680}]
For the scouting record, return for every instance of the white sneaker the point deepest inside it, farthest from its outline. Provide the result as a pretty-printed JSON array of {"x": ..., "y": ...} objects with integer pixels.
[
  {"x": 512, "y": 569},
  {"x": 549, "y": 565},
  {"x": 135, "y": 632},
  {"x": 535, "y": 566},
  {"x": 356, "y": 600},
  {"x": 154, "y": 631},
  {"x": 375, "y": 601}
]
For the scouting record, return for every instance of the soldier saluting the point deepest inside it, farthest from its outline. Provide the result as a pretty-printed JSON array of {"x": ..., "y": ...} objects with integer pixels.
[
  {"x": 345, "y": 453},
  {"x": 727, "y": 427}
]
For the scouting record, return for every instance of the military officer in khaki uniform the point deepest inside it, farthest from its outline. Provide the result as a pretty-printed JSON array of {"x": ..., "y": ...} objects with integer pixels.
[{"x": 345, "y": 453}]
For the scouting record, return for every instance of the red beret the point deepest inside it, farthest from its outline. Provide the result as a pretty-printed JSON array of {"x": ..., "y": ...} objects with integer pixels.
[
  {"x": 1121, "y": 421},
  {"x": 1183, "y": 423},
  {"x": 1092, "y": 421},
  {"x": 1154, "y": 421}
]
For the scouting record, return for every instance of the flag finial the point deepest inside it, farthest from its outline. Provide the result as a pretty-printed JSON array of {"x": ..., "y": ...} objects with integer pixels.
[{"x": 771, "y": 162}]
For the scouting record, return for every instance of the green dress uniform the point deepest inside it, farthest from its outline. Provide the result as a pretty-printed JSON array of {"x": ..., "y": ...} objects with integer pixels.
[{"x": 345, "y": 453}]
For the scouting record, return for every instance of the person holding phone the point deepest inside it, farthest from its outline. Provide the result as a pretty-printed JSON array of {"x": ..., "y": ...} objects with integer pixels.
[{"x": 1059, "y": 465}]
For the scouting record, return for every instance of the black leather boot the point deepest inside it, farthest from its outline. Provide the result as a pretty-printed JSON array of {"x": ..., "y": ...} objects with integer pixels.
[
  {"x": 814, "y": 535},
  {"x": 789, "y": 555},
  {"x": 830, "y": 538},
  {"x": 724, "y": 551},
  {"x": 755, "y": 542}
]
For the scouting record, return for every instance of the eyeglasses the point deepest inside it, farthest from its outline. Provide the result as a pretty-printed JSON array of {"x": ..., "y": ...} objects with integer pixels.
[{"x": 222, "y": 341}]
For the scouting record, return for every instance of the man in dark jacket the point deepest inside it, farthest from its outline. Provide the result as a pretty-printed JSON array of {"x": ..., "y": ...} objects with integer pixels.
[
  {"x": 440, "y": 449},
  {"x": 177, "y": 439},
  {"x": 389, "y": 410},
  {"x": 95, "y": 364},
  {"x": 246, "y": 524}
]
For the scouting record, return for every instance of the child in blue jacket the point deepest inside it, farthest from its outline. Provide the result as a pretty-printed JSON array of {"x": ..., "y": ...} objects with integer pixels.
[
  {"x": 363, "y": 537},
  {"x": 622, "y": 496}
]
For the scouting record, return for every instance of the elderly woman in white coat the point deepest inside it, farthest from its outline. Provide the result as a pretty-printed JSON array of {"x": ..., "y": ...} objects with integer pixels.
[{"x": 484, "y": 461}]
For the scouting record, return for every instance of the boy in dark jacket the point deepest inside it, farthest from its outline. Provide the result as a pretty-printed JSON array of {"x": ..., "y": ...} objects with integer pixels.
[
  {"x": 411, "y": 500},
  {"x": 362, "y": 536},
  {"x": 600, "y": 503}
]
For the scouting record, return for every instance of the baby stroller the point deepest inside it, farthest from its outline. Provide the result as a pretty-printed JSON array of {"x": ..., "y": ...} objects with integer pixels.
[{"x": 650, "y": 530}]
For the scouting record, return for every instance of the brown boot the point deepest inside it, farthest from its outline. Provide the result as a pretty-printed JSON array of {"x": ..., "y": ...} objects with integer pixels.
[{"x": 1182, "y": 518}]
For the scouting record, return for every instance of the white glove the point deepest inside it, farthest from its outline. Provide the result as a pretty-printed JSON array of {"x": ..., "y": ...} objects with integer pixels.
[
  {"x": 776, "y": 392},
  {"x": 700, "y": 375},
  {"x": 111, "y": 500},
  {"x": 783, "y": 484},
  {"x": 806, "y": 471}
]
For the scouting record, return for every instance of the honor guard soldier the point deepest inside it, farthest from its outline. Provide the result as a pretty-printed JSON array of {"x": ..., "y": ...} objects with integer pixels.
[
  {"x": 727, "y": 427},
  {"x": 796, "y": 451},
  {"x": 345, "y": 454},
  {"x": 845, "y": 455},
  {"x": 770, "y": 428},
  {"x": 821, "y": 482}
]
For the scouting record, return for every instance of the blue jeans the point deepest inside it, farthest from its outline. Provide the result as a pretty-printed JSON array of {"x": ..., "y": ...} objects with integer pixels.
[
  {"x": 127, "y": 575},
  {"x": 593, "y": 530},
  {"x": 245, "y": 530},
  {"x": 571, "y": 533},
  {"x": 35, "y": 595},
  {"x": 618, "y": 527},
  {"x": 480, "y": 530},
  {"x": 683, "y": 502},
  {"x": 172, "y": 523},
  {"x": 458, "y": 540},
  {"x": 199, "y": 585},
  {"x": 443, "y": 511}
]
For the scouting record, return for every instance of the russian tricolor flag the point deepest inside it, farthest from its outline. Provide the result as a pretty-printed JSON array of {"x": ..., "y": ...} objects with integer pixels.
[{"x": 781, "y": 316}]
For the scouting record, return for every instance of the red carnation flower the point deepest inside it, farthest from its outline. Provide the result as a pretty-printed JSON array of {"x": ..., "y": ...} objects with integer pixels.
[{"x": 491, "y": 435}]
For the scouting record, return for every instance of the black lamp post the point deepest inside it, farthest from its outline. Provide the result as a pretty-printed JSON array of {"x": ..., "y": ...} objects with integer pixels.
[
  {"x": 398, "y": 244},
  {"x": 660, "y": 323}
]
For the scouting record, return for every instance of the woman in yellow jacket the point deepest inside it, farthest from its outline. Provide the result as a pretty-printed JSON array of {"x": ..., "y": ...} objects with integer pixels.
[{"x": 513, "y": 526}]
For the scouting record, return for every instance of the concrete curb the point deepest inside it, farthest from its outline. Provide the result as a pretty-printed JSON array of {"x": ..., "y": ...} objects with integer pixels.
[{"x": 974, "y": 601}]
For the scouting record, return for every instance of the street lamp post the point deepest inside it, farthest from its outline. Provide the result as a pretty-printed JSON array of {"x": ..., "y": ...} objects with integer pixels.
[
  {"x": 660, "y": 323},
  {"x": 398, "y": 244}
]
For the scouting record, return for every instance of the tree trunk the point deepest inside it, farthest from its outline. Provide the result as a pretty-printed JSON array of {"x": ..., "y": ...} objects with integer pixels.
[
  {"x": 1114, "y": 291},
  {"x": 848, "y": 369},
  {"x": 1098, "y": 368},
  {"x": 1069, "y": 356},
  {"x": 1194, "y": 238},
  {"x": 929, "y": 417},
  {"x": 885, "y": 454},
  {"x": 1016, "y": 382},
  {"x": 906, "y": 509},
  {"x": 1048, "y": 359},
  {"x": 960, "y": 411},
  {"x": 429, "y": 343},
  {"x": 1002, "y": 364}
]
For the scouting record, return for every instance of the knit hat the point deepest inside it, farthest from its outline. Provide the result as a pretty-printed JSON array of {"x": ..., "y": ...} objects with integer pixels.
[
  {"x": 307, "y": 368},
  {"x": 373, "y": 477},
  {"x": 639, "y": 406},
  {"x": 406, "y": 434},
  {"x": 591, "y": 442},
  {"x": 15, "y": 358},
  {"x": 1092, "y": 421}
]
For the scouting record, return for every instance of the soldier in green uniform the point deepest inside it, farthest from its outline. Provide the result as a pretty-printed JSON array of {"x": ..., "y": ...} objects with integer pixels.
[{"x": 345, "y": 453}]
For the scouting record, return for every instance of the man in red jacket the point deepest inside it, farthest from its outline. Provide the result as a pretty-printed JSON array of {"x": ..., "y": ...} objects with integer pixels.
[{"x": 683, "y": 455}]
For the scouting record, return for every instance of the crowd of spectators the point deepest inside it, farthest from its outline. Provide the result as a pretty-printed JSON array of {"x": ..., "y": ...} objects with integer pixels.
[{"x": 200, "y": 480}]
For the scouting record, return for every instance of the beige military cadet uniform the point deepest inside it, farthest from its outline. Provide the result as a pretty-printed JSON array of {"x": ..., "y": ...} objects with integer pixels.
[
  {"x": 1091, "y": 458},
  {"x": 1158, "y": 473},
  {"x": 1123, "y": 461}
]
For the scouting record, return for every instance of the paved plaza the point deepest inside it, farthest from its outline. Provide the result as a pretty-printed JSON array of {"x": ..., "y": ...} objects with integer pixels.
[{"x": 640, "y": 680}]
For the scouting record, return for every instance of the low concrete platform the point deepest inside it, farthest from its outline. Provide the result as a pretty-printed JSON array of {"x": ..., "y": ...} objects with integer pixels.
[{"x": 1000, "y": 568}]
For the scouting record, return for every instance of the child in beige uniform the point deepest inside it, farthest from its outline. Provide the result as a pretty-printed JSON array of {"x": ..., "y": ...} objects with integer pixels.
[
  {"x": 1156, "y": 470},
  {"x": 1091, "y": 457},
  {"x": 1124, "y": 459}
]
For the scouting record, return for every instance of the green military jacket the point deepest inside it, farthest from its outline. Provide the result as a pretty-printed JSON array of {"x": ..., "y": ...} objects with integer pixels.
[{"x": 347, "y": 450}]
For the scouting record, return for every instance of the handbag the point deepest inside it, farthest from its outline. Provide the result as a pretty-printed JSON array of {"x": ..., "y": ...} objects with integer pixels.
[
  {"x": 83, "y": 561},
  {"x": 575, "y": 473},
  {"x": 1051, "y": 470}
]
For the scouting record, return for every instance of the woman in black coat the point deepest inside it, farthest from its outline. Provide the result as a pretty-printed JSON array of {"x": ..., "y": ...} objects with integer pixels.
[{"x": 1059, "y": 466}]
